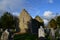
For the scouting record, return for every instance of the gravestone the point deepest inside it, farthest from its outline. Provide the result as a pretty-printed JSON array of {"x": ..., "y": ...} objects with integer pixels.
[
  {"x": 52, "y": 34},
  {"x": 5, "y": 35},
  {"x": 41, "y": 33}
]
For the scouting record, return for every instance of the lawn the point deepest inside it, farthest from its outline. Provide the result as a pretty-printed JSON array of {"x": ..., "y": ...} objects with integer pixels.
[{"x": 26, "y": 36}]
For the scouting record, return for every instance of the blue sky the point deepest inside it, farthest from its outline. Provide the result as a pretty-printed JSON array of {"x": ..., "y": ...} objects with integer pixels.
[
  {"x": 34, "y": 7},
  {"x": 43, "y": 8}
]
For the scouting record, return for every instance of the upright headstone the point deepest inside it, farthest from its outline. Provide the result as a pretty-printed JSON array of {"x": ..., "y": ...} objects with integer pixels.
[
  {"x": 5, "y": 35},
  {"x": 52, "y": 34},
  {"x": 41, "y": 33}
]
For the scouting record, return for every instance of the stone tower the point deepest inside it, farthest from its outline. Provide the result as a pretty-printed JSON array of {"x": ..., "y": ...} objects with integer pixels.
[{"x": 24, "y": 21}]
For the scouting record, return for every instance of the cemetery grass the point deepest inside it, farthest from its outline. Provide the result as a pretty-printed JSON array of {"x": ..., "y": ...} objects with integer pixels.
[{"x": 26, "y": 36}]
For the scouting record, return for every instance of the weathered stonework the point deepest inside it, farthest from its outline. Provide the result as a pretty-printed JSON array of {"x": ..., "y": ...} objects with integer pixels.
[
  {"x": 24, "y": 21},
  {"x": 39, "y": 19}
]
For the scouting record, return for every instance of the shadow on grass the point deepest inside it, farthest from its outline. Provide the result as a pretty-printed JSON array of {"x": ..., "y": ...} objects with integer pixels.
[{"x": 26, "y": 36}]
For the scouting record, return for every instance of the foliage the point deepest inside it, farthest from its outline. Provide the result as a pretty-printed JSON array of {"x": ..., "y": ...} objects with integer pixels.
[
  {"x": 7, "y": 21},
  {"x": 58, "y": 20},
  {"x": 53, "y": 23}
]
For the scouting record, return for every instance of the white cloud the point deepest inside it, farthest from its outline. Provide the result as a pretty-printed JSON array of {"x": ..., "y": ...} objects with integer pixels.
[
  {"x": 15, "y": 13},
  {"x": 45, "y": 21},
  {"x": 12, "y": 4},
  {"x": 48, "y": 13},
  {"x": 50, "y": 1}
]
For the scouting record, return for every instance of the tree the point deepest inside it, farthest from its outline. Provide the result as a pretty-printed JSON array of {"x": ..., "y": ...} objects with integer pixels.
[
  {"x": 7, "y": 20},
  {"x": 52, "y": 24},
  {"x": 58, "y": 21},
  {"x": 0, "y": 30},
  {"x": 58, "y": 28}
]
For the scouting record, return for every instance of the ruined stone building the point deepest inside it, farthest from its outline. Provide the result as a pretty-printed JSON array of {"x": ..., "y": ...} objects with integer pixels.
[
  {"x": 28, "y": 24},
  {"x": 36, "y": 23}
]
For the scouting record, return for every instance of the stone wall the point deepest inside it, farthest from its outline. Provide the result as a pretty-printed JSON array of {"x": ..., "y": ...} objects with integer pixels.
[{"x": 24, "y": 21}]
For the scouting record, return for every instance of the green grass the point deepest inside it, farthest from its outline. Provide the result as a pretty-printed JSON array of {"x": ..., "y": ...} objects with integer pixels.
[{"x": 26, "y": 36}]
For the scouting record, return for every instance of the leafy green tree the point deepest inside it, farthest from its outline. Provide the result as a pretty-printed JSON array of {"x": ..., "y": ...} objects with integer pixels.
[
  {"x": 58, "y": 28},
  {"x": 7, "y": 20},
  {"x": 0, "y": 30},
  {"x": 53, "y": 24},
  {"x": 58, "y": 21}
]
